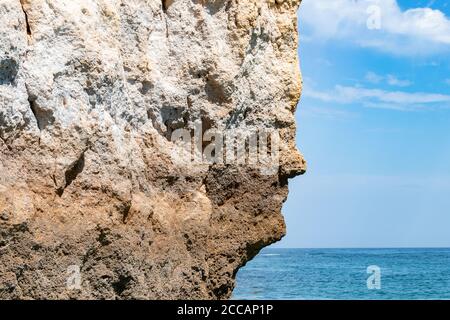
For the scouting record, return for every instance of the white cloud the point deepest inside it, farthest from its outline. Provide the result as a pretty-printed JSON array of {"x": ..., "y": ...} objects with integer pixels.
[
  {"x": 414, "y": 31},
  {"x": 390, "y": 79},
  {"x": 372, "y": 77},
  {"x": 394, "y": 81},
  {"x": 376, "y": 98}
]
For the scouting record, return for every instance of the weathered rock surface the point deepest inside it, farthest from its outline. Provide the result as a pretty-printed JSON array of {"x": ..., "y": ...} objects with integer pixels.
[{"x": 90, "y": 92}]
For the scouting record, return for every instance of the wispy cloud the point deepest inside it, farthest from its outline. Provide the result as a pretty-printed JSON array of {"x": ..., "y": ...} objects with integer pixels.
[
  {"x": 376, "y": 98},
  {"x": 414, "y": 31},
  {"x": 447, "y": 81},
  {"x": 394, "y": 81},
  {"x": 389, "y": 79},
  {"x": 372, "y": 77}
]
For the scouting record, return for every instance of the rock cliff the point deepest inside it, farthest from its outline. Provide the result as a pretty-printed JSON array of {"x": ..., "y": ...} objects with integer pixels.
[{"x": 94, "y": 200}]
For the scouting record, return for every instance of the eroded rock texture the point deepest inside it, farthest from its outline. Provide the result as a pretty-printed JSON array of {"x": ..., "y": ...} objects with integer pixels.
[{"x": 90, "y": 92}]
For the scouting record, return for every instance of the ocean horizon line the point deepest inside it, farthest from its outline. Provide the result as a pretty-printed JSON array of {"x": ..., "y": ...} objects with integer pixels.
[{"x": 364, "y": 248}]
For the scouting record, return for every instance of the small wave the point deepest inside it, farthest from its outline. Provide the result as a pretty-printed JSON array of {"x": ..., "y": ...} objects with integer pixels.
[{"x": 270, "y": 254}]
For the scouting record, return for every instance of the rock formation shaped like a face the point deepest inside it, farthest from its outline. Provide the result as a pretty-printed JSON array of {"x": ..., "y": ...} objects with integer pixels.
[{"x": 97, "y": 198}]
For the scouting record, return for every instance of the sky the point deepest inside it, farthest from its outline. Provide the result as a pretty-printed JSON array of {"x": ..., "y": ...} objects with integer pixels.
[{"x": 373, "y": 125}]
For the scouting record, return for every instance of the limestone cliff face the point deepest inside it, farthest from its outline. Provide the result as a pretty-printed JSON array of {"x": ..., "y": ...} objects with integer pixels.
[{"x": 90, "y": 93}]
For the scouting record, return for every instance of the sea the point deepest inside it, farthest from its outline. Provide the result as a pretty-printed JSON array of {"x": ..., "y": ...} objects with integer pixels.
[{"x": 341, "y": 274}]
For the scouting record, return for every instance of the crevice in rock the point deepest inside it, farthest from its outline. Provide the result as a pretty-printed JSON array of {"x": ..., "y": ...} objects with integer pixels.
[
  {"x": 146, "y": 87},
  {"x": 216, "y": 92},
  {"x": 167, "y": 27},
  {"x": 72, "y": 173},
  {"x": 121, "y": 284},
  {"x": 104, "y": 237},
  {"x": 33, "y": 108},
  {"x": 26, "y": 18},
  {"x": 166, "y": 4},
  {"x": 207, "y": 124},
  {"x": 172, "y": 118},
  {"x": 125, "y": 211},
  {"x": 5, "y": 143},
  {"x": 44, "y": 117},
  {"x": 222, "y": 291}
]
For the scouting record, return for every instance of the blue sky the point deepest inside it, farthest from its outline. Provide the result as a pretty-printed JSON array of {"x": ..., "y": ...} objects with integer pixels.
[{"x": 374, "y": 125}]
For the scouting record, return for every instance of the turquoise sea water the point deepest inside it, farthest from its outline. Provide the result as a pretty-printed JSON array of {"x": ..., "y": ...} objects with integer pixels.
[{"x": 342, "y": 274}]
